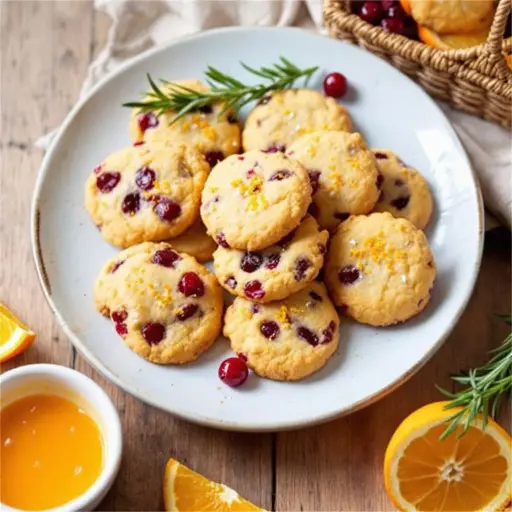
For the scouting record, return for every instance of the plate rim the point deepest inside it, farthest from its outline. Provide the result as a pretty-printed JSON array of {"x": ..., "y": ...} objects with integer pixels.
[{"x": 91, "y": 358}]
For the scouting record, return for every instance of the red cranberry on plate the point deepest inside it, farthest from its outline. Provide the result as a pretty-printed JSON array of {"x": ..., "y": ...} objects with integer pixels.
[
  {"x": 335, "y": 85},
  {"x": 233, "y": 371}
]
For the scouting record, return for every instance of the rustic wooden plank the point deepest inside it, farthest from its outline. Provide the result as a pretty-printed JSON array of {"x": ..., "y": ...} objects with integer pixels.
[
  {"x": 338, "y": 466},
  {"x": 43, "y": 59}
]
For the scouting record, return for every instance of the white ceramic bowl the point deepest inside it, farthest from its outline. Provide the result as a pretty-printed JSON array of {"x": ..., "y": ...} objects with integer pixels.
[{"x": 61, "y": 381}]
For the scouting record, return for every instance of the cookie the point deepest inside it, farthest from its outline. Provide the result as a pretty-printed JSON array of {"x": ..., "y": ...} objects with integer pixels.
[
  {"x": 164, "y": 305},
  {"x": 343, "y": 174},
  {"x": 285, "y": 340},
  {"x": 379, "y": 269},
  {"x": 251, "y": 201},
  {"x": 404, "y": 191},
  {"x": 453, "y": 16},
  {"x": 195, "y": 242},
  {"x": 216, "y": 136},
  {"x": 146, "y": 193},
  {"x": 281, "y": 118},
  {"x": 276, "y": 272}
]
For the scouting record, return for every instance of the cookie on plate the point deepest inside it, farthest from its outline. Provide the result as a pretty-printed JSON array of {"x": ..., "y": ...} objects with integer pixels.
[
  {"x": 404, "y": 191},
  {"x": 251, "y": 201},
  {"x": 343, "y": 174},
  {"x": 146, "y": 193},
  {"x": 281, "y": 118},
  {"x": 453, "y": 16},
  {"x": 165, "y": 305},
  {"x": 276, "y": 272},
  {"x": 215, "y": 136},
  {"x": 379, "y": 269},
  {"x": 285, "y": 340},
  {"x": 195, "y": 242}
]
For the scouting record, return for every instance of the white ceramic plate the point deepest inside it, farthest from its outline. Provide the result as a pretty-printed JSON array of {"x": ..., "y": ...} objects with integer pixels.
[{"x": 389, "y": 109}]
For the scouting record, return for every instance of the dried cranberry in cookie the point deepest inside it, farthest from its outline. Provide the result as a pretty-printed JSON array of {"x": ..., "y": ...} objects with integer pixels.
[
  {"x": 274, "y": 124},
  {"x": 288, "y": 339},
  {"x": 343, "y": 173},
  {"x": 379, "y": 269},
  {"x": 280, "y": 270},
  {"x": 251, "y": 201},
  {"x": 163, "y": 304},
  {"x": 404, "y": 191},
  {"x": 215, "y": 136},
  {"x": 146, "y": 193}
]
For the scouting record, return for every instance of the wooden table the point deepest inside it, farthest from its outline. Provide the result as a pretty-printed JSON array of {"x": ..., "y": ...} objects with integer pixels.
[{"x": 45, "y": 48}]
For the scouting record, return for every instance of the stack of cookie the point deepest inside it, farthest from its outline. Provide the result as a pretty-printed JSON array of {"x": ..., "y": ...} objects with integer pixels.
[{"x": 183, "y": 192}]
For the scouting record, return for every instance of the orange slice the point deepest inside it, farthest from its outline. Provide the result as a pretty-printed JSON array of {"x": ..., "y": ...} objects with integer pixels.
[
  {"x": 451, "y": 41},
  {"x": 187, "y": 491},
  {"x": 14, "y": 336},
  {"x": 470, "y": 473}
]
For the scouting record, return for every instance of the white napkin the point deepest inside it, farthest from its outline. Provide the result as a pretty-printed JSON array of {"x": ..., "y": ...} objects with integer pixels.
[{"x": 137, "y": 26}]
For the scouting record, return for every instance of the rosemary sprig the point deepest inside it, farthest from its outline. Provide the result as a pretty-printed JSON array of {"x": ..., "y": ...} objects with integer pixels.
[
  {"x": 485, "y": 387},
  {"x": 235, "y": 94}
]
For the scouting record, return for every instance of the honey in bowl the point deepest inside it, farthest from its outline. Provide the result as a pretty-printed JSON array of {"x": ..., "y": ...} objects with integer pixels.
[{"x": 51, "y": 452}]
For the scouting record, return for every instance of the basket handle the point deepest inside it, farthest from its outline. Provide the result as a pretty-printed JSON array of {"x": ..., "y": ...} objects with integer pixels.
[{"x": 493, "y": 47}]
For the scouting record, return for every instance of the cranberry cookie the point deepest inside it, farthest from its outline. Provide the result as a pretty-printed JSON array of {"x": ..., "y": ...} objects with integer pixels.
[
  {"x": 404, "y": 191},
  {"x": 165, "y": 306},
  {"x": 285, "y": 340},
  {"x": 379, "y": 269},
  {"x": 343, "y": 174},
  {"x": 146, "y": 193},
  {"x": 216, "y": 136},
  {"x": 251, "y": 201},
  {"x": 195, "y": 242},
  {"x": 281, "y": 118},
  {"x": 276, "y": 272}
]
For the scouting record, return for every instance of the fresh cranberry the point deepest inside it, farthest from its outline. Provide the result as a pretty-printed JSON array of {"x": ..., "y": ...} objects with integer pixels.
[
  {"x": 231, "y": 282},
  {"x": 153, "y": 332},
  {"x": 272, "y": 260},
  {"x": 314, "y": 177},
  {"x": 315, "y": 296},
  {"x": 285, "y": 241},
  {"x": 275, "y": 148},
  {"x": 115, "y": 266},
  {"x": 138, "y": 143},
  {"x": 221, "y": 240},
  {"x": 380, "y": 156},
  {"x": 166, "y": 258},
  {"x": 147, "y": 120},
  {"x": 269, "y": 329},
  {"x": 108, "y": 181},
  {"x": 379, "y": 181},
  {"x": 399, "y": 182},
  {"x": 371, "y": 12},
  {"x": 251, "y": 261},
  {"x": 167, "y": 209},
  {"x": 396, "y": 11},
  {"x": 255, "y": 308},
  {"x": 322, "y": 248},
  {"x": 401, "y": 202},
  {"x": 119, "y": 316},
  {"x": 309, "y": 336},
  {"x": 233, "y": 371},
  {"x": 335, "y": 85},
  {"x": 145, "y": 178},
  {"x": 301, "y": 266},
  {"x": 121, "y": 329},
  {"x": 98, "y": 169},
  {"x": 254, "y": 290},
  {"x": 131, "y": 204},
  {"x": 349, "y": 274},
  {"x": 342, "y": 216},
  {"x": 328, "y": 333},
  {"x": 386, "y": 4},
  {"x": 393, "y": 25},
  {"x": 191, "y": 284},
  {"x": 280, "y": 175},
  {"x": 214, "y": 157},
  {"x": 187, "y": 311},
  {"x": 206, "y": 109}
]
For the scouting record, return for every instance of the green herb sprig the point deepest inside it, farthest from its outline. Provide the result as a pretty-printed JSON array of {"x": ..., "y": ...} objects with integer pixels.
[
  {"x": 485, "y": 387},
  {"x": 223, "y": 87}
]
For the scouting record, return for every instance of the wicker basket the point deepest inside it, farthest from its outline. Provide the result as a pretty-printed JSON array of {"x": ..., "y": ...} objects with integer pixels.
[{"x": 476, "y": 80}]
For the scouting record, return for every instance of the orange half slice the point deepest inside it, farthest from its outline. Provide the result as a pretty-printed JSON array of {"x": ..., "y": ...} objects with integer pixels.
[
  {"x": 15, "y": 337},
  {"x": 451, "y": 41}
]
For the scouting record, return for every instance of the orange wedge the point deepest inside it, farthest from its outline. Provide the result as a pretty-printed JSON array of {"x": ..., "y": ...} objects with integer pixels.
[
  {"x": 187, "y": 491},
  {"x": 470, "y": 473},
  {"x": 14, "y": 336},
  {"x": 451, "y": 41}
]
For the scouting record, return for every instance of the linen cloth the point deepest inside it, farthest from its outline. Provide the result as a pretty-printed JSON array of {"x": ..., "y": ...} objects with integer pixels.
[{"x": 139, "y": 25}]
